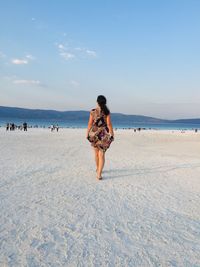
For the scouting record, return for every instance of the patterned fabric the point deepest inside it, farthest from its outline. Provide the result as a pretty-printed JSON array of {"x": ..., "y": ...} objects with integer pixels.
[{"x": 99, "y": 133}]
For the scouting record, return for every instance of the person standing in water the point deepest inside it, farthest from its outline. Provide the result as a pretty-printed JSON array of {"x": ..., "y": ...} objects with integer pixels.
[{"x": 100, "y": 132}]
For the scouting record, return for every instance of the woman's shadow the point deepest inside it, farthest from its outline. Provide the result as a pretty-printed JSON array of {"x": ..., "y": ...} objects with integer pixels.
[
  {"x": 126, "y": 172},
  {"x": 117, "y": 173}
]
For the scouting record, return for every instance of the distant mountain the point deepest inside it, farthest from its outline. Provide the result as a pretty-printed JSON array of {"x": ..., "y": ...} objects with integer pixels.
[
  {"x": 80, "y": 115},
  {"x": 193, "y": 121},
  {"x": 24, "y": 113},
  {"x": 123, "y": 118}
]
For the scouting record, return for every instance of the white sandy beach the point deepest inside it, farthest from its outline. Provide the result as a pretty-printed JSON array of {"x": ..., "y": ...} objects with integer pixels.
[{"x": 145, "y": 212}]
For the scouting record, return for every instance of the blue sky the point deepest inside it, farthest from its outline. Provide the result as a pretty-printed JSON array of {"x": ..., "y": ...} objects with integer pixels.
[{"x": 142, "y": 55}]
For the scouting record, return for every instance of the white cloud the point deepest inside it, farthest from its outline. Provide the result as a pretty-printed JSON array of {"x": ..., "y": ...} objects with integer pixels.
[
  {"x": 61, "y": 46},
  {"x": 30, "y": 57},
  {"x": 19, "y": 61},
  {"x": 63, "y": 52},
  {"x": 27, "y": 82},
  {"x": 68, "y": 52},
  {"x": 91, "y": 53},
  {"x": 23, "y": 61},
  {"x": 74, "y": 83},
  {"x": 67, "y": 56}
]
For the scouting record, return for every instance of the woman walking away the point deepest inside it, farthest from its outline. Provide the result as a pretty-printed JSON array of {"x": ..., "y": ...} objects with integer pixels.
[{"x": 100, "y": 132}]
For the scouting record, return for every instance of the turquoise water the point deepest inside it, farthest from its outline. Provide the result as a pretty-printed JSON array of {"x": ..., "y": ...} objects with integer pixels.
[{"x": 83, "y": 124}]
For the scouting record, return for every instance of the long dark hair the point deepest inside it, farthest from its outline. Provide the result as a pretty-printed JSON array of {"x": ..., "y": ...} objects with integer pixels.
[{"x": 101, "y": 100}]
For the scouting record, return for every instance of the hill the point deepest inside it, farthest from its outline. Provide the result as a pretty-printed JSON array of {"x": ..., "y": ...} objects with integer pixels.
[{"x": 80, "y": 115}]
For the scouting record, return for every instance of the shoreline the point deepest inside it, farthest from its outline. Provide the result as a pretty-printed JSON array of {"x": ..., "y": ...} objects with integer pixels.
[{"x": 137, "y": 129}]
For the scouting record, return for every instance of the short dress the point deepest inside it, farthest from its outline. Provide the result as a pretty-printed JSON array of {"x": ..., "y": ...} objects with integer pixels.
[{"x": 99, "y": 133}]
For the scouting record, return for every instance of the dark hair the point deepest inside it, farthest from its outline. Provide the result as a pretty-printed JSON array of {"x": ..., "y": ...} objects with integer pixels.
[{"x": 101, "y": 100}]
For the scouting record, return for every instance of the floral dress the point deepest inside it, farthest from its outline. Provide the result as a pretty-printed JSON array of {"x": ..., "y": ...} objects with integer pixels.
[{"x": 99, "y": 133}]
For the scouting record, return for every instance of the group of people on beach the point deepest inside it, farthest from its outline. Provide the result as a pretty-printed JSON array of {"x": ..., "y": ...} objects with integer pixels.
[
  {"x": 12, "y": 126},
  {"x": 54, "y": 127}
]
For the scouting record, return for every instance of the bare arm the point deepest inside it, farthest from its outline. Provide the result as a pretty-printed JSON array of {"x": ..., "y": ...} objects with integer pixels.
[
  {"x": 89, "y": 124},
  {"x": 109, "y": 123}
]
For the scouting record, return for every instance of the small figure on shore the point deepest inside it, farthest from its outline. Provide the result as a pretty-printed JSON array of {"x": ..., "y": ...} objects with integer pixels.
[
  {"x": 25, "y": 126},
  {"x": 7, "y": 126},
  {"x": 12, "y": 127},
  {"x": 196, "y": 130},
  {"x": 57, "y": 127},
  {"x": 52, "y": 127}
]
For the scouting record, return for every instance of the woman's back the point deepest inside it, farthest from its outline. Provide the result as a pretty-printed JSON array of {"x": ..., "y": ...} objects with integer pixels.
[{"x": 99, "y": 118}]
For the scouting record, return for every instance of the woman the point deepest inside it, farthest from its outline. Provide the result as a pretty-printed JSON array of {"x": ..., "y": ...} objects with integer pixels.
[{"x": 100, "y": 132}]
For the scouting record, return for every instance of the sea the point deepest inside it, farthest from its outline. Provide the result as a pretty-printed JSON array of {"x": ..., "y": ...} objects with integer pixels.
[{"x": 83, "y": 124}]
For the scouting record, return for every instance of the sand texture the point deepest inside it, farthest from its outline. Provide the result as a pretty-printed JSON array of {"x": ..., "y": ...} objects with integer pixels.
[{"x": 145, "y": 212}]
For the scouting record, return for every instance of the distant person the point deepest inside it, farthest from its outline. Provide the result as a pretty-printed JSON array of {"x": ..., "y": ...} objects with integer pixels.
[
  {"x": 100, "y": 132},
  {"x": 12, "y": 127},
  {"x": 25, "y": 126},
  {"x": 57, "y": 127},
  {"x": 7, "y": 126},
  {"x": 52, "y": 127}
]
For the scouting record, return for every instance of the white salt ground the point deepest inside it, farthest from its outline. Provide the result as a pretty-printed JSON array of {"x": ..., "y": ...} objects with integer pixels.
[{"x": 145, "y": 212}]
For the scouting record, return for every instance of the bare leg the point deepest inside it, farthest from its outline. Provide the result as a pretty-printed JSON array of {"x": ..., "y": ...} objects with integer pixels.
[
  {"x": 101, "y": 163},
  {"x": 96, "y": 154}
]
